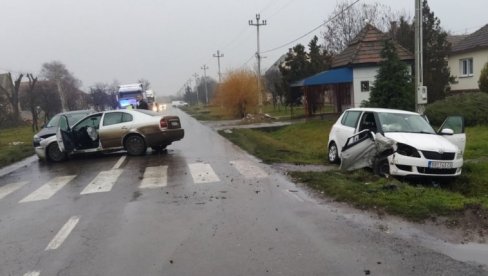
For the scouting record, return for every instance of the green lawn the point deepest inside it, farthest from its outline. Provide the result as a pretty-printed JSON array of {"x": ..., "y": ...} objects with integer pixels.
[
  {"x": 305, "y": 143},
  {"x": 302, "y": 143},
  {"x": 15, "y": 144}
]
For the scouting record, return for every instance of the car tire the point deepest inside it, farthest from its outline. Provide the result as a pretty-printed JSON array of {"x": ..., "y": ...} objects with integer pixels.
[
  {"x": 333, "y": 153},
  {"x": 135, "y": 145},
  {"x": 54, "y": 154},
  {"x": 381, "y": 167}
]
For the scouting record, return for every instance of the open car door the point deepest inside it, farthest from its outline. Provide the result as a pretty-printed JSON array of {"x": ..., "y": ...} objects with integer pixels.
[
  {"x": 453, "y": 130},
  {"x": 63, "y": 135}
]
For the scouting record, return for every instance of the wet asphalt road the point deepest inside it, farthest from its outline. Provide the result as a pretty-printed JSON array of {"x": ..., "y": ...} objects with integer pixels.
[{"x": 221, "y": 212}]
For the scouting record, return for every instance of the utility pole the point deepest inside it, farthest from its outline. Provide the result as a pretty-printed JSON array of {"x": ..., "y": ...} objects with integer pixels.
[
  {"x": 204, "y": 68},
  {"x": 218, "y": 56},
  {"x": 420, "y": 89},
  {"x": 196, "y": 86},
  {"x": 258, "y": 56}
]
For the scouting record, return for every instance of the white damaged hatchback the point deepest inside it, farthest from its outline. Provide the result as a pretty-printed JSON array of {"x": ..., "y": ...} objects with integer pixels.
[{"x": 397, "y": 142}]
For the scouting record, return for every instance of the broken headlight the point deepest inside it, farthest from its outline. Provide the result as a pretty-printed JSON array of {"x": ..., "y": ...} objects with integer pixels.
[{"x": 407, "y": 150}]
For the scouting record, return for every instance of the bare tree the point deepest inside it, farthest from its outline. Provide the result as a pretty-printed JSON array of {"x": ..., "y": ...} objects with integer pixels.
[
  {"x": 145, "y": 83},
  {"x": 31, "y": 100},
  {"x": 348, "y": 20},
  {"x": 11, "y": 92},
  {"x": 65, "y": 81}
]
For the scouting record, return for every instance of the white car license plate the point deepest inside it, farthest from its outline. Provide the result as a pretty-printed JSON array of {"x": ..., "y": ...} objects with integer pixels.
[
  {"x": 175, "y": 124},
  {"x": 440, "y": 165}
]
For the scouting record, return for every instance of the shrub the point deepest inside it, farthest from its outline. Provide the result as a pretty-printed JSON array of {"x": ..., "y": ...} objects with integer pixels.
[
  {"x": 483, "y": 80},
  {"x": 472, "y": 106}
]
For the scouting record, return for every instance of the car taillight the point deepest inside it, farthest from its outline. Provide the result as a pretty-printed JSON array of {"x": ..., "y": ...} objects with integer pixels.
[{"x": 163, "y": 123}]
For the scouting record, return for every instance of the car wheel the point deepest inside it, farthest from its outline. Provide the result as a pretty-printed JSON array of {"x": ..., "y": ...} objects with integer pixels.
[
  {"x": 135, "y": 145},
  {"x": 54, "y": 154},
  {"x": 333, "y": 153},
  {"x": 381, "y": 167}
]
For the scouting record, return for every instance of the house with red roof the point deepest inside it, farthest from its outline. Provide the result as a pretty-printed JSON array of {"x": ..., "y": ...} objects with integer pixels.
[{"x": 348, "y": 83}]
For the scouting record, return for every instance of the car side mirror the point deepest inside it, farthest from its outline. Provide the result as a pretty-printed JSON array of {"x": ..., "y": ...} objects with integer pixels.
[{"x": 447, "y": 131}]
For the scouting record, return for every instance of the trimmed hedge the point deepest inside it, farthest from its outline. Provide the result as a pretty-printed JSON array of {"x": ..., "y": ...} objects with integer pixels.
[{"x": 472, "y": 106}]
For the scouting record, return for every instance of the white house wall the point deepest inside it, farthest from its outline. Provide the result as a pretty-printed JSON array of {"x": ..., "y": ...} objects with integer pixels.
[
  {"x": 359, "y": 75},
  {"x": 480, "y": 58}
]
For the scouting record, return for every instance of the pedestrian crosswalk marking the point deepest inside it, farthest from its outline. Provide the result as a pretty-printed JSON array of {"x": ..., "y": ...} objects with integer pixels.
[
  {"x": 10, "y": 188},
  {"x": 49, "y": 189},
  {"x": 33, "y": 273},
  {"x": 248, "y": 169},
  {"x": 155, "y": 177},
  {"x": 103, "y": 182},
  {"x": 202, "y": 173},
  {"x": 63, "y": 233}
]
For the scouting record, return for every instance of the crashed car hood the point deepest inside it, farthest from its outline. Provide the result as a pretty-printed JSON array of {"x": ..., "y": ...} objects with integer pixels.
[{"x": 421, "y": 141}]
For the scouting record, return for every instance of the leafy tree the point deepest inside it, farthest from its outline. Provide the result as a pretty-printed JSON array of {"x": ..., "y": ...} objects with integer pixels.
[
  {"x": 436, "y": 75},
  {"x": 483, "y": 81},
  {"x": 319, "y": 58},
  {"x": 238, "y": 93},
  {"x": 294, "y": 69},
  {"x": 392, "y": 87}
]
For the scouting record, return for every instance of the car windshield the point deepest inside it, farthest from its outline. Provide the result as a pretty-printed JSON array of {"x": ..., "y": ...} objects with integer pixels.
[
  {"x": 402, "y": 122},
  {"x": 72, "y": 119}
]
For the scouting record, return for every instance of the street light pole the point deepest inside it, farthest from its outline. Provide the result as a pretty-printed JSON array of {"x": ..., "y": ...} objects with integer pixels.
[
  {"x": 420, "y": 89},
  {"x": 258, "y": 56},
  {"x": 196, "y": 86},
  {"x": 204, "y": 68},
  {"x": 218, "y": 56}
]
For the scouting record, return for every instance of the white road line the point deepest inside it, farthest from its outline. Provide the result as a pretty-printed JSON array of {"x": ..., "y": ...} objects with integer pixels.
[
  {"x": 63, "y": 233},
  {"x": 10, "y": 188},
  {"x": 248, "y": 169},
  {"x": 202, "y": 173},
  {"x": 49, "y": 189},
  {"x": 103, "y": 182},
  {"x": 293, "y": 195},
  {"x": 119, "y": 163},
  {"x": 33, "y": 273},
  {"x": 155, "y": 177}
]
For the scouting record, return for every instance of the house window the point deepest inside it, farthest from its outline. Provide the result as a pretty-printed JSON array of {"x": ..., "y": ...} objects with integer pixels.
[
  {"x": 466, "y": 67},
  {"x": 365, "y": 86}
]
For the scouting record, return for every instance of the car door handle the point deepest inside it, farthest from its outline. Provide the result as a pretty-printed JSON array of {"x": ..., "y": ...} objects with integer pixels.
[{"x": 124, "y": 127}]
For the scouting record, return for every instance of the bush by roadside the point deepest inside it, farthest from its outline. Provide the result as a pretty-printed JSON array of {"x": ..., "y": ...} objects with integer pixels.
[{"x": 472, "y": 106}]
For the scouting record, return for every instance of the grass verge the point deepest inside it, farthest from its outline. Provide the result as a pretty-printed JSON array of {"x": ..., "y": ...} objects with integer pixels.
[
  {"x": 364, "y": 190},
  {"x": 301, "y": 143},
  {"x": 305, "y": 143},
  {"x": 15, "y": 144}
]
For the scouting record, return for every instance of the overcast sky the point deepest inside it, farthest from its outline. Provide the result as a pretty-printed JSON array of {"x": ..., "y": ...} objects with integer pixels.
[{"x": 167, "y": 41}]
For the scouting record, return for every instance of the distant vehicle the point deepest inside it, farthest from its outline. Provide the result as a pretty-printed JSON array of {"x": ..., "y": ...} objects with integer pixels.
[
  {"x": 416, "y": 150},
  {"x": 127, "y": 95},
  {"x": 179, "y": 103},
  {"x": 131, "y": 130},
  {"x": 50, "y": 128}
]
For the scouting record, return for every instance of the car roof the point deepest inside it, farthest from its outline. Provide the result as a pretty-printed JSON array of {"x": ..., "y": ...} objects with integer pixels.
[
  {"x": 382, "y": 110},
  {"x": 78, "y": 111}
]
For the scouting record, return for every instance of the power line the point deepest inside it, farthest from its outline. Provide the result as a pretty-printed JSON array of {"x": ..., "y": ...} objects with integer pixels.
[{"x": 313, "y": 30}]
